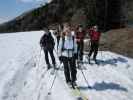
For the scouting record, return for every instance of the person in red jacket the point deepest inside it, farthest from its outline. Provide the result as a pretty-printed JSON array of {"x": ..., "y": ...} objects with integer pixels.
[
  {"x": 94, "y": 39},
  {"x": 80, "y": 35}
]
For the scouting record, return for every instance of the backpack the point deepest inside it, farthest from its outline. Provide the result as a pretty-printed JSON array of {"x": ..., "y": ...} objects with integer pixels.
[
  {"x": 47, "y": 41},
  {"x": 63, "y": 41}
]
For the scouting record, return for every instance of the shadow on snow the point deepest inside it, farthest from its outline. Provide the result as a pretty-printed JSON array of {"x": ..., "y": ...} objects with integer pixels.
[
  {"x": 112, "y": 61},
  {"x": 105, "y": 86}
]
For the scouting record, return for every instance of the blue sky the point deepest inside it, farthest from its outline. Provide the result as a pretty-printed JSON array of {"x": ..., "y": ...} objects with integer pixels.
[{"x": 10, "y": 9}]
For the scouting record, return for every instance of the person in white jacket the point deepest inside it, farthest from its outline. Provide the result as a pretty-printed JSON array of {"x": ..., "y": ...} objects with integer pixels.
[{"x": 67, "y": 51}]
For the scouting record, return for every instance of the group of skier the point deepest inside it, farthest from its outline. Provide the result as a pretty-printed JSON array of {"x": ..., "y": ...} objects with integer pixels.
[{"x": 70, "y": 46}]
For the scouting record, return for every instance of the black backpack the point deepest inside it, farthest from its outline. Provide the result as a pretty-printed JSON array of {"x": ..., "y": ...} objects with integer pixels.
[{"x": 47, "y": 39}]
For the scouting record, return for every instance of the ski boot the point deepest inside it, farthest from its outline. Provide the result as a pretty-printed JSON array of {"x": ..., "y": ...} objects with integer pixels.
[
  {"x": 55, "y": 67},
  {"x": 48, "y": 66}
]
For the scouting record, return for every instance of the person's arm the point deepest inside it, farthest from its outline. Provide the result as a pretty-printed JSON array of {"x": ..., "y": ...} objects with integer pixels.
[
  {"x": 53, "y": 42},
  {"x": 60, "y": 47},
  {"x": 60, "y": 50},
  {"x": 75, "y": 46},
  {"x": 41, "y": 41},
  {"x": 75, "y": 50}
]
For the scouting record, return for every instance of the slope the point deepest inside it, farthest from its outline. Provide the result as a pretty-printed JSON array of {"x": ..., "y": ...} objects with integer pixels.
[{"x": 23, "y": 74}]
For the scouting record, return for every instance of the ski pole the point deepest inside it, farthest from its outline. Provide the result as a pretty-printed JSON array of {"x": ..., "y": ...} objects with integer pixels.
[
  {"x": 78, "y": 60},
  {"x": 49, "y": 93},
  {"x": 89, "y": 49},
  {"x": 56, "y": 51},
  {"x": 85, "y": 78},
  {"x": 101, "y": 55}
]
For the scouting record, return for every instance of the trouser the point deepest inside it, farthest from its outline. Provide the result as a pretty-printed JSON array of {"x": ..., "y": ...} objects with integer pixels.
[
  {"x": 80, "y": 49},
  {"x": 94, "y": 48},
  {"x": 58, "y": 39},
  {"x": 50, "y": 51},
  {"x": 70, "y": 70}
]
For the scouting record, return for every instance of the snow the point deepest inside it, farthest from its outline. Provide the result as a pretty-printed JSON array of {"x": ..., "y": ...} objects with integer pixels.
[{"x": 23, "y": 74}]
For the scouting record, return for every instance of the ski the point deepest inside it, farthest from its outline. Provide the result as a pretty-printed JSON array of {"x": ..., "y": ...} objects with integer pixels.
[
  {"x": 75, "y": 91},
  {"x": 81, "y": 96}
]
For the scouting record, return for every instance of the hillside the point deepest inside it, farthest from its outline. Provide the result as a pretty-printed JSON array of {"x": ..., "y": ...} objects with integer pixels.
[
  {"x": 119, "y": 41},
  {"x": 86, "y": 12},
  {"x": 57, "y": 11}
]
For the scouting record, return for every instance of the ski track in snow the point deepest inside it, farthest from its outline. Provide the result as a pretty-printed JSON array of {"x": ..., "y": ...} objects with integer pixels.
[{"x": 23, "y": 74}]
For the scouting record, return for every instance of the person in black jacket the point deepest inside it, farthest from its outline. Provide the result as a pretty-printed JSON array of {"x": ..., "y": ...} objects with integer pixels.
[{"x": 47, "y": 43}]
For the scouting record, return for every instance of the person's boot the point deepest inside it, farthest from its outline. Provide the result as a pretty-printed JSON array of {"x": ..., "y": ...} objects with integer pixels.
[
  {"x": 69, "y": 84},
  {"x": 48, "y": 66},
  {"x": 55, "y": 66},
  {"x": 95, "y": 60},
  {"x": 74, "y": 83}
]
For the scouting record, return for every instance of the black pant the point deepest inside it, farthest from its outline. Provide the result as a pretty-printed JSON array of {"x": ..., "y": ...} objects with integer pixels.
[
  {"x": 70, "y": 70},
  {"x": 94, "y": 48},
  {"x": 80, "y": 49},
  {"x": 58, "y": 39},
  {"x": 50, "y": 51}
]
